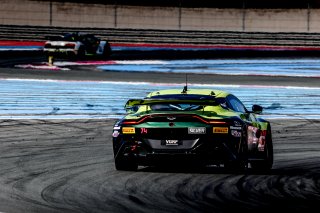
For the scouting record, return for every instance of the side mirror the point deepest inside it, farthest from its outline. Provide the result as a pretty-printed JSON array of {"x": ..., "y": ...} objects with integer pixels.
[{"x": 257, "y": 109}]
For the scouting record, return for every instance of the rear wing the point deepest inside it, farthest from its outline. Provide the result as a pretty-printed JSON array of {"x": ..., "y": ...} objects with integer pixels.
[
  {"x": 55, "y": 38},
  {"x": 138, "y": 102}
]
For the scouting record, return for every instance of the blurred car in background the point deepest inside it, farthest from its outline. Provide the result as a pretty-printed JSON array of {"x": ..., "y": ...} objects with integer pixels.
[{"x": 76, "y": 45}]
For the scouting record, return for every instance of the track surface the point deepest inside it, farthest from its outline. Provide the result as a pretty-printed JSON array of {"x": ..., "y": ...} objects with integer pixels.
[{"x": 67, "y": 166}]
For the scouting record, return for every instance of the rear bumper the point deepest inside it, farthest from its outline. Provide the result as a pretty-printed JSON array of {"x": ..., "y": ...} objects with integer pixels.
[
  {"x": 60, "y": 52},
  {"x": 187, "y": 159},
  {"x": 203, "y": 152}
]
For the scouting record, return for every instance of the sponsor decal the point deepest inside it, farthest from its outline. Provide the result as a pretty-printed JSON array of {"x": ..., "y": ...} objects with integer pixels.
[
  {"x": 235, "y": 133},
  {"x": 252, "y": 138},
  {"x": 237, "y": 123},
  {"x": 128, "y": 130},
  {"x": 116, "y": 127},
  {"x": 196, "y": 130},
  {"x": 115, "y": 134},
  {"x": 220, "y": 130},
  {"x": 172, "y": 142},
  {"x": 236, "y": 127}
]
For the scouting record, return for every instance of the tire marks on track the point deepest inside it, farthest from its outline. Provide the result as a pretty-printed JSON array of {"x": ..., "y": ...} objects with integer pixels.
[{"x": 67, "y": 166}]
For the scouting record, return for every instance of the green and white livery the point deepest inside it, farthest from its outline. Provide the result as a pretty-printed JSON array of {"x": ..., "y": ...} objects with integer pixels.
[{"x": 191, "y": 127}]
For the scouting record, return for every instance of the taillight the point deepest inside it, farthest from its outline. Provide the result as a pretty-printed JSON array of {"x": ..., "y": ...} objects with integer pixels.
[
  {"x": 209, "y": 121},
  {"x": 218, "y": 122},
  {"x": 135, "y": 122},
  {"x": 262, "y": 140},
  {"x": 71, "y": 45},
  {"x": 263, "y": 133}
]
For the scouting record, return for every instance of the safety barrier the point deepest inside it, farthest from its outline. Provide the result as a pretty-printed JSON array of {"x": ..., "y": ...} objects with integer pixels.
[{"x": 39, "y": 33}]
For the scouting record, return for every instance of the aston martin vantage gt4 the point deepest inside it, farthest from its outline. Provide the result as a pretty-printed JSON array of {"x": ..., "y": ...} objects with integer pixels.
[{"x": 186, "y": 127}]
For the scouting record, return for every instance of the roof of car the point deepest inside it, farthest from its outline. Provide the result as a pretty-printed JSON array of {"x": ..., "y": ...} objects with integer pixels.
[{"x": 209, "y": 92}]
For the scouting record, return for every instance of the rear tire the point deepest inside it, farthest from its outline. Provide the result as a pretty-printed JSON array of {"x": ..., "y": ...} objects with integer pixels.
[
  {"x": 235, "y": 166},
  {"x": 106, "y": 50},
  {"x": 126, "y": 164},
  {"x": 241, "y": 163},
  {"x": 81, "y": 53}
]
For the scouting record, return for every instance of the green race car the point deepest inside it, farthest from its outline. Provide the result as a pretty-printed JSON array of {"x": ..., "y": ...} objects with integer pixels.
[{"x": 192, "y": 127}]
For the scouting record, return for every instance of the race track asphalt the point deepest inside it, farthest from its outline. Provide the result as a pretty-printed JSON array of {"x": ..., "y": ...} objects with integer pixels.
[{"x": 67, "y": 165}]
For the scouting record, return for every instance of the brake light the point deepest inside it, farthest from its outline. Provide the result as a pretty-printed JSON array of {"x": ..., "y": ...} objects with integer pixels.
[
  {"x": 262, "y": 140},
  {"x": 135, "y": 122},
  {"x": 131, "y": 122},
  {"x": 263, "y": 132},
  {"x": 70, "y": 45},
  {"x": 209, "y": 121}
]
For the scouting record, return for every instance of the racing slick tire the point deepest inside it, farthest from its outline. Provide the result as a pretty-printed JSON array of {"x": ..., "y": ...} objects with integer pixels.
[
  {"x": 81, "y": 53},
  {"x": 106, "y": 50},
  {"x": 267, "y": 161},
  {"x": 125, "y": 164},
  {"x": 241, "y": 163},
  {"x": 121, "y": 162}
]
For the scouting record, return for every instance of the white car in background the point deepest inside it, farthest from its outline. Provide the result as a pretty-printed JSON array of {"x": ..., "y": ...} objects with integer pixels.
[{"x": 78, "y": 45}]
